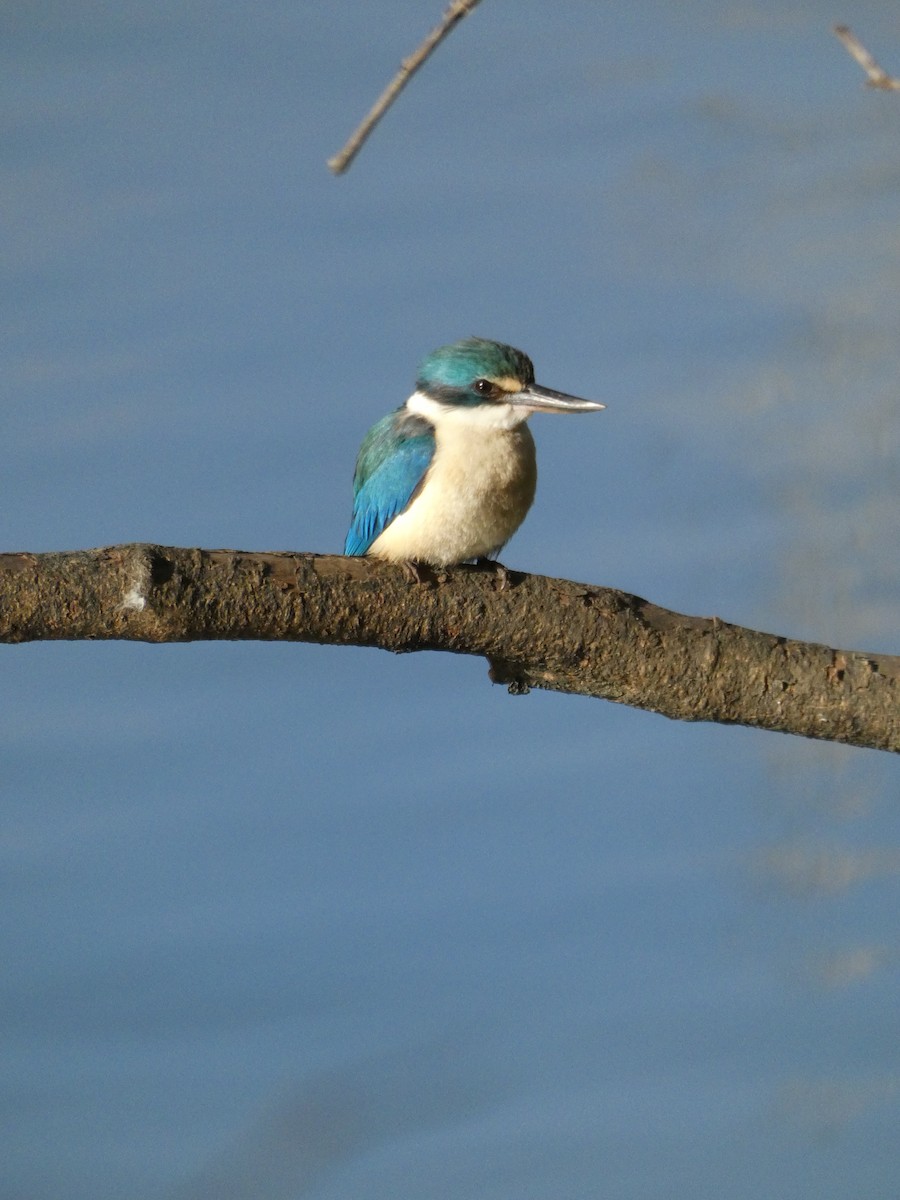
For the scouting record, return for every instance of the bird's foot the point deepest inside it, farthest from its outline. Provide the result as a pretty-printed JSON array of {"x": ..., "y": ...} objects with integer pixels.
[
  {"x": 417, "y": 572},
  {"x": 504, "y": 576}
]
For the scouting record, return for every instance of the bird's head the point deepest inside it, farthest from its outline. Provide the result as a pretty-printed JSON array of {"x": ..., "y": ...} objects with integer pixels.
[{"x": 491, "y": 381}]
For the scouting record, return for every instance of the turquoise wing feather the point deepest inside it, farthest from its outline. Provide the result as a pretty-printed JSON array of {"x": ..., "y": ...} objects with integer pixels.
[{"x": 392, "y": 462}]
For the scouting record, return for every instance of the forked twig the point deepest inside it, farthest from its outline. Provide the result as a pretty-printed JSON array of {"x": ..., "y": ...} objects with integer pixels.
[
  {"x": 454, "y": 14},
  {"x": 877, "y": 76}
]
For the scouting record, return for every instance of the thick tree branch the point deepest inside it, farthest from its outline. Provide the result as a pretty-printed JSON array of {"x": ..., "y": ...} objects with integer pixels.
[{"x": 535, "y": 631}]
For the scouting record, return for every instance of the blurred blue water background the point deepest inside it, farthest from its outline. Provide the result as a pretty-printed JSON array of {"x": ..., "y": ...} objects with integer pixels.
[{"x": 286, "y": 921}]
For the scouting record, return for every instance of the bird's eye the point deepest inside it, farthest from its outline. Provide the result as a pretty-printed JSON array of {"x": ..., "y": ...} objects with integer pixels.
[{"x": 484, "y": 387}]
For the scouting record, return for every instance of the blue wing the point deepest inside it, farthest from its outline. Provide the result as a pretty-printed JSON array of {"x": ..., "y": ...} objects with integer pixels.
[{"x": 392, "y": 462}]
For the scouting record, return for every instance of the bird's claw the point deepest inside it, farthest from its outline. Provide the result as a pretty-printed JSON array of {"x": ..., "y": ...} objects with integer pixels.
[
  {"x": 417, "y": 572},
  {"x": 502, "y": 573}
]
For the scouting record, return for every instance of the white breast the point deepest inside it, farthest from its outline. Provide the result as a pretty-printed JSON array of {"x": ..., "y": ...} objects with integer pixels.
[{"x": 477, "y": 490}]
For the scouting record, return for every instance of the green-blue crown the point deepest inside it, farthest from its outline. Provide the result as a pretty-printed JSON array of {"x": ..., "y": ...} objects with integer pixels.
[{"x": 450, "y": 373}]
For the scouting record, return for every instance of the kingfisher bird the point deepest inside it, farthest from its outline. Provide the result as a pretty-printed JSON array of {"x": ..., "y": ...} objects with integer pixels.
[{"x": 450, "y": 475}]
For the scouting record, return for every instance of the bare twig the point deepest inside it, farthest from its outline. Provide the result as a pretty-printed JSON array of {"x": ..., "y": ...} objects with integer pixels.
[
  {"x": 534, "y": 631},
  {"x": 877, "y": 76},
  {"x": 454, "y": 14}
]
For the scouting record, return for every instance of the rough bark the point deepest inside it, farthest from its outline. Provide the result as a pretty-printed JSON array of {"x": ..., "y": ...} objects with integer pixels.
[{"x": 534, "y": 631}]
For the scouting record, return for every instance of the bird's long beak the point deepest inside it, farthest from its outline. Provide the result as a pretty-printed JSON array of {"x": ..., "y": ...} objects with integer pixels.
[{"x": 541, "y": 399}]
